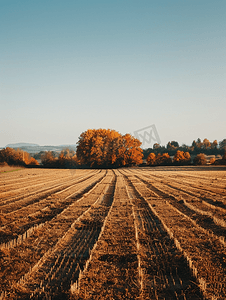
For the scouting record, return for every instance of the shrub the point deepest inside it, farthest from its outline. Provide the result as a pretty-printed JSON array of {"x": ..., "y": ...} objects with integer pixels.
[
  {"x": 200, "y": 159},
  {"x": 223, "y": 160},
  {"x": 212, "y": 160},
  {"x": 33, "y": 162}
]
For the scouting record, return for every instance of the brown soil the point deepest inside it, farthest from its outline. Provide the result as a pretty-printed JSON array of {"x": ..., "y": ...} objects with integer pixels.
[{"x": 139, "y": 233}]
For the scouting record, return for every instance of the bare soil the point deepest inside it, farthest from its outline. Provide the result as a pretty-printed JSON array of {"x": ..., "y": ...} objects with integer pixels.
[{"x": 135, "y": 233}]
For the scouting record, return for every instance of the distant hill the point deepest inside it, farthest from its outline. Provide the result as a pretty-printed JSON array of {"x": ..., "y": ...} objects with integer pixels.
[
  {"x": 18, "y": 145},
  {"x": 35, "y": 148}
]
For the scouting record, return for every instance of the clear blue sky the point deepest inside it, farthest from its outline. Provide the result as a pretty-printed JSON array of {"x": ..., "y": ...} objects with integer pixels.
[{"x": 68, "y": 66}]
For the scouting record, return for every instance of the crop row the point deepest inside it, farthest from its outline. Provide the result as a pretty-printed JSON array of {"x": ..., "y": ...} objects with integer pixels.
[
  {"x": 112, "y": 271},
  {"x": 67, "y": 242},
  {"x": 43, "y": 209},
  {"x": 42, "y": 239},
  {"x": 204, "y": 252},
  {"x": 120, "y": 234}
]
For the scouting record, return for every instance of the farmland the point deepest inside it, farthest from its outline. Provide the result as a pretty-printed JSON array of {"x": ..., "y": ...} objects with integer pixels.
[{"x": 132, "y": 233}]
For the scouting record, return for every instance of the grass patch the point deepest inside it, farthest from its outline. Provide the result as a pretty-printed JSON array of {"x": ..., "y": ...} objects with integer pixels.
[{"x": 10, "y": 171}]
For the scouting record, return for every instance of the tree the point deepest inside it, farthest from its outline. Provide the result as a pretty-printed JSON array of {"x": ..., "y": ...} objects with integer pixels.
[
  {"x": 194, "y": 144},
  {"x": 200, "y": 159},
  {"x": 67, "y": 159},
  {"x": 151, "y": 159},
  {"x": 172, "y": 145},
  {"x": 214, "y": 144},
  {"x": 182, "y": 158},
  {"x": 132, "y": 153},
  {"x": 222, "y": 145},
  {"x": 197, "y": 144},
  {"x": 206, "y": 144},
  {"x": 108, "y": 148},
  {"x": 33, "y": 162},
  {"x": 48, "y": 159},
  {"x": 223, "y": 161},
  {"x": 163, "y": 159},
  {"x": 156, "y": 146},
  {"x": 16, "y": 157}
]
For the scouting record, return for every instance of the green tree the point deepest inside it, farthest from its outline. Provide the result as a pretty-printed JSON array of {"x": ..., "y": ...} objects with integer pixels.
[{"x": 222, "y": 145}]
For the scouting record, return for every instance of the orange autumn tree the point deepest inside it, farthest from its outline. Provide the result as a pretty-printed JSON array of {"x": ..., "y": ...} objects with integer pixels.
[
  {"x": 182, "y": 158},
  {"x": 108, "y": 148},
  {"x": 159, "y": 160},
  {"x": 151, "y": 159},
  {"x": 163, "y": 159},
  {"x": 16, "y": 157},
  {"x": 67, "y": 159}
]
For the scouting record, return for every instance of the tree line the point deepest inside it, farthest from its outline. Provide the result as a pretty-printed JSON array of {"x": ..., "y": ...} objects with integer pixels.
[
  {"x": 17, "y": 157},
  {"x": 181, "y": 158},
  {"x": 105, "y": 148},
  {"x": 197, "y": 147}
]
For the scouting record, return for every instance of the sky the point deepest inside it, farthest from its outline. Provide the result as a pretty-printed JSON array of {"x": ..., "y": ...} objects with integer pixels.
[{"x": 68, "y": 66}]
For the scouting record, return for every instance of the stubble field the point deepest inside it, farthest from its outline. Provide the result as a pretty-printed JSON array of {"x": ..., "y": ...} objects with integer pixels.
[{"x": 133, "y": 233}]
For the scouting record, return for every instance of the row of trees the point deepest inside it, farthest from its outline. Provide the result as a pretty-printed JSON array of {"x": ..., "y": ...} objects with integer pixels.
[
  {"x": 197, "y": 147},
  {"x": 181, "y": 158},
  {"x": 66, "y": 160},
  {"x": 16, "y": 157},
  {"x": 105, "y": 148}
]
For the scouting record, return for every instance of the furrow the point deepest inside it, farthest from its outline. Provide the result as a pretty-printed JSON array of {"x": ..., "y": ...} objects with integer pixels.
[
  {"x": 190, "y": 207},
  {"x": 17, "y": 262},
  {"x": 20, "y": 221},
  {"x": 206, "y": 257},
  {"x": 165, "y": 272},
  {"x": 53, "y": 275},
  {"x": 114, "y": 262}
]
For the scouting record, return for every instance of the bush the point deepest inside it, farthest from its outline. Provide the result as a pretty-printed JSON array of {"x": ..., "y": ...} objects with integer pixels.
[
  {"x": 33, "y": 162},
  {"x": 200, "y": 159},
  {"x": 212, "y": 160}
]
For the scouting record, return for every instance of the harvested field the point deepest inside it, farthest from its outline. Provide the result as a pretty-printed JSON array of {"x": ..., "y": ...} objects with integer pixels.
[{"x": 133, "y": 233}]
